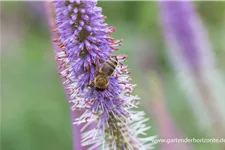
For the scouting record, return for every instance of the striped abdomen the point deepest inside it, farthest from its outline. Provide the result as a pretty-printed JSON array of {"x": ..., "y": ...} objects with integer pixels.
[{"x": 109, "y": 66}]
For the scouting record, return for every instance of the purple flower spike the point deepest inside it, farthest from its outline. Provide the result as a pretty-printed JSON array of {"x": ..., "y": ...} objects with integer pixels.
[
  {"x": 192, "y": 55},
  {"x": 85, "y": 44},
  {"x": 184, "y": 31}
]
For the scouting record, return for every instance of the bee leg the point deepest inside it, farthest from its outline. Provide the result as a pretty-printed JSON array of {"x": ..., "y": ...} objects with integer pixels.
[
  {"x": 91, "y": 84},
  {"x": 96, "y": 69}
]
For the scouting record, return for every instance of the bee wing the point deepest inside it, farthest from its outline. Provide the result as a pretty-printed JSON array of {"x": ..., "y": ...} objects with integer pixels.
[
  {"x": 107, "y": 70},
  {"x": 110, "y": 66}
]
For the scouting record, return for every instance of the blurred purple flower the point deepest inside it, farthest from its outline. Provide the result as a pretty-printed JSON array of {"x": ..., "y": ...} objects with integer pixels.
[
  {"x": 166, "y": 125},
  {"x": 191, "y": 54},
  {"x": 37, "y": 12},
  {"x": 85, "y": 43},
  {"x": 185, "y": 34}
]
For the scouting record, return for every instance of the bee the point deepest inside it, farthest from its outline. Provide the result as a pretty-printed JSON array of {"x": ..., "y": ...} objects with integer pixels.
[{"x": 107, "y": 69}]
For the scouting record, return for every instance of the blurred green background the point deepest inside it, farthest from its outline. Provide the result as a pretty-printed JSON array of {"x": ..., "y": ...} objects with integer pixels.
[{"x": 34, "y": 110}]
